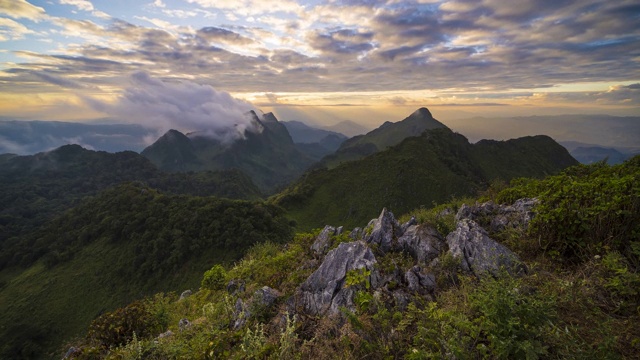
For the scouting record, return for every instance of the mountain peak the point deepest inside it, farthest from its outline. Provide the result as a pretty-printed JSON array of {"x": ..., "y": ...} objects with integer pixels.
[
  {"x": 269, "y": 117},
  {"x": 423, "y": 112}
]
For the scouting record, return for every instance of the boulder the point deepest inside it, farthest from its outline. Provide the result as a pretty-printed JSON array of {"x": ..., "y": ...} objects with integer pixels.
[
  {"x": 423, "y": 242},
  {"x": 235, "y": 286},
  {"x": 405, "y": 226},
  {"x": 184, "y": 324},
  {"x": 265, "y": 297},
  {"x": 185, "y": 294},
  {"x": 500, "y": 217},
  {"x": 419, "y": 282},
  {"x": 383, "y": 231},
  {"x": 165, "y": 334},
  {"x": 324, "y": 291},
  {"x": 240, "y": 314},
  {"x": 262, "y": 299},
  {"x": 356, "y": 234},
  {"x": 480, "y": 254},
  {"x": 323, "y": 240}
]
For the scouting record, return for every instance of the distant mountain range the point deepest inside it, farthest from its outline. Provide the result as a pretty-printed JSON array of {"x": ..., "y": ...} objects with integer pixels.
[
  {"x": 31, "y": 137},
  {"x": 590, "y": 153},
  {"x": 268, "y": 155},
  {"x": 313, "y": 142}
]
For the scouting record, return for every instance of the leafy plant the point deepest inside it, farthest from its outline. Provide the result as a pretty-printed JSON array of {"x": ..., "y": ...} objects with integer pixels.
[{"x": 215, "y": 278}]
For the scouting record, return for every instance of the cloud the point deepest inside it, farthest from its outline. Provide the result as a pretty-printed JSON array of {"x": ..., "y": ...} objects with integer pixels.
[
  {"x": 21, "y": 9},
  {"x": 12, "y": 30},
  {"x": 342, "y": 41},
  {"x": 83, "y": 5},
  {"x": 185, "y": 106},
  {"x": 56, "y": 80},
  {"x": 215, "y": 34}
]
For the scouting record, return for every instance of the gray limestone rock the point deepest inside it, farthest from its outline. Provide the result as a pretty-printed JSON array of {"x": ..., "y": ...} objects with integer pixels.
[
  {"x": 235, "y": 286},
  {"x": 356, "y": 234},
  {"x": 265, "y": 296},
  {"x": 500, "y": 217},
  {"x": 419, "y": 282},
  {"x": 405, "y": 226},
  {"x": 480, "y": 254},
  {"x": 185, "y": 294},
  {"x": 324, "y": 291},
  {"x": 323, "y": 240},
  {"x": 184, "y": 324},
  {"x": 384, "y": 230},
  {"x": 423, "y": 242}
]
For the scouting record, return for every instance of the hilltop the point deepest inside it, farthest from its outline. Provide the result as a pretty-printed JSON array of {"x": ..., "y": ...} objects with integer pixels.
[{"x": 419, "y": 172}]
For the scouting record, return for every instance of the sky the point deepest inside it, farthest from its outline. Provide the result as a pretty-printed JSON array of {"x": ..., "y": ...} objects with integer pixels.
[{"x": 189, "y": 61}]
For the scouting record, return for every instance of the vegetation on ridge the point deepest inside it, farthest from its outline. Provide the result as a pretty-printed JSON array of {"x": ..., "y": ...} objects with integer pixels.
[
  {"x": 126, "y": 243},
  {"x": 419, "y": 172},
  {"x": 559, "y": 309}
]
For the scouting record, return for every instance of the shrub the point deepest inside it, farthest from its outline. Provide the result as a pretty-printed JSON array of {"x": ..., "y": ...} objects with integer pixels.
[
  {"x": 118, "y": 327},
  {"x": 214, "y": 278},
  {"x": 586, "y": 210},
  {"x": 512, "y": 317}
]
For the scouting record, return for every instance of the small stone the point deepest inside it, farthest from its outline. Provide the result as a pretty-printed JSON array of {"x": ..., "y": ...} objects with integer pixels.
[{"x": 185, "y": 294}]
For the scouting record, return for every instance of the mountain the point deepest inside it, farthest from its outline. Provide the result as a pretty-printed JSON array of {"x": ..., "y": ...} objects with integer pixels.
[
  {"x": 418, "y": 172},
  {"x": 35, "y": 188},
  {"x": 313, "y": 142},
  {"x": 31, "y": 137},
  {"x": 268, "y": 155},
  {"x": 305, "y": 134},
  {"x": 602, "y": 130},
  {"x": 590, "y": 153},
  {"x": 348, "y": 128},
  {"x": 388, "y": 134},
  {"x": 126, "y": 243}
]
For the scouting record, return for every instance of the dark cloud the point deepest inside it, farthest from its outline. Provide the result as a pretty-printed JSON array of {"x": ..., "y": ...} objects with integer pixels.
[
  {"x": 224, "y": 35},
  {"x": 343, "y": 41}
]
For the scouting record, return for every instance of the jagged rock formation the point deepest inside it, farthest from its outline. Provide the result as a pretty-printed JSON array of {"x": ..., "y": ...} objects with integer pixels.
[
  {"x": 383, "y": 231},
  {"x": 478, "y": 253},
  {"x": 323, "y": 241},
  {"x": 519, "y": 214},
  {"x": 423, "y": 242},
  {"x": 324, "y": 291}
]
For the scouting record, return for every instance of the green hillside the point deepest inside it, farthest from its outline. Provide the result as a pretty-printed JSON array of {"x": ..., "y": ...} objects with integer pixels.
[
  {"x": 419, "y": 172},
  {"x": 128, "y": 242},
  {"x": 35, "y": 188},
  {"x": 577, "y": 304}
]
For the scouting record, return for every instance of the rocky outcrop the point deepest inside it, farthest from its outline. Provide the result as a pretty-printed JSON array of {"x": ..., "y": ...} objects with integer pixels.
[
  {"x": 478, "y": 253},
  {"x": 499, "y": 217},
  {"x": 323, "y": 240},
  {"x": 324, "y": 292},
  {"x": 383, "y": 231},
  {"x": 262, "y": 300},
  {"x": 423, "y": 242},
  {"x": 418, "y": 282}
]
